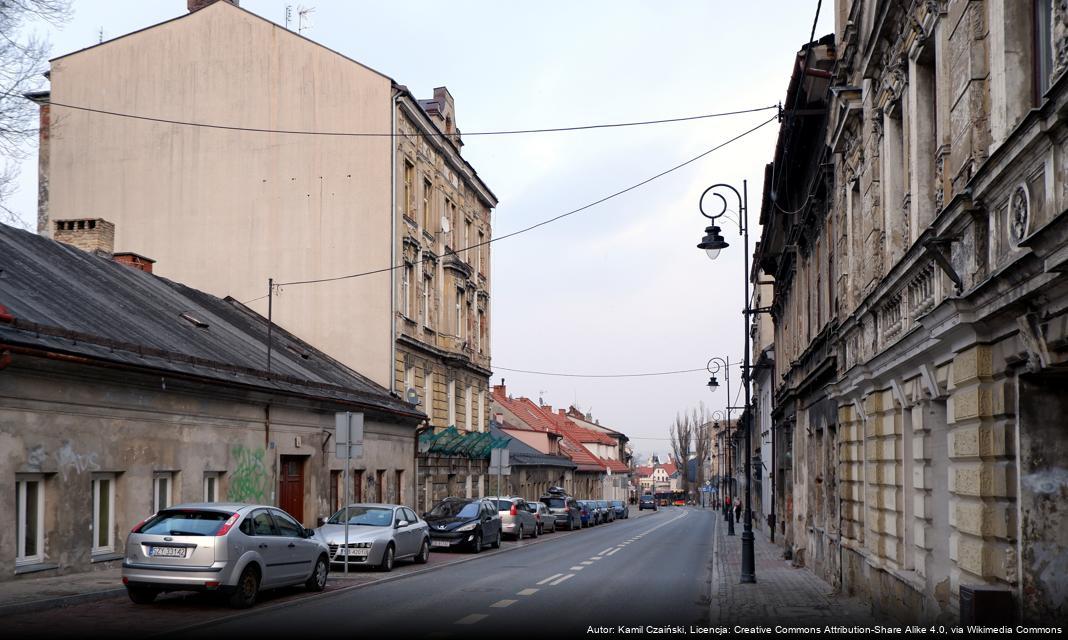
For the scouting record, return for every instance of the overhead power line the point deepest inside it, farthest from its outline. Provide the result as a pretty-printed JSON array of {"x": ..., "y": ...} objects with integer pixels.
[
  {"x": 606, "y": 375},
  {"x": 304, "y": 132},
  {"x": 548, "y": 221}
]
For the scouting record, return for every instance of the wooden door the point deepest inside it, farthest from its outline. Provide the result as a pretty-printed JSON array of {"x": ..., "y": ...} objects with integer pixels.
[{"x": 291, "y": 486}]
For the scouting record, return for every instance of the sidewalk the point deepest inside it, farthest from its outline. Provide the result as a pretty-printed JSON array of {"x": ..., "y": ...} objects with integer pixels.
[
  {"x": 35, "y": 594},
  {"x": 783, "y": 594}
]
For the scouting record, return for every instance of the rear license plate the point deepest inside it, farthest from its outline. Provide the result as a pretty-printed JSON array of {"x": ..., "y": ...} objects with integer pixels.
[
  {"x": 439, "y": 543},
  {"x": 167, "y": 552}
]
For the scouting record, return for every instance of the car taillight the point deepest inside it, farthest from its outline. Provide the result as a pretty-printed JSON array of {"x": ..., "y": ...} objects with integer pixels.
[
  {"x": 512, "y": 511},
  {"x": 227, "y": 525},
  {"x": 137, "y": 529}
]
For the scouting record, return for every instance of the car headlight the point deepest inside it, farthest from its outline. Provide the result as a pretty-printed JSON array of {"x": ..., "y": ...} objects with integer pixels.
[
  {"x": 357, "y": 545},
  {"x": 468, "y": 527}
]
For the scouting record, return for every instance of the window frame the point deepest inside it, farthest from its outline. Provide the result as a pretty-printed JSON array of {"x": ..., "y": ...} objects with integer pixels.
[
  {"x": 428, "y": 201},
  {"x": 96, "y": 548},
  {"x": 21, "y": 482},
  {"x": 156, "y": 478},
  {"x": 409, "y": 177},
  {"x": 406, "y": 289},
  {"x": 213, "y": 476},
  {"x": 428, "y": 283}
]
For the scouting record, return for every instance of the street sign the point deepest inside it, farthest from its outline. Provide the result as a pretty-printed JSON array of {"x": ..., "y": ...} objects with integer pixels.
[
  {"x": 348, "y": 434},
  {"x": 499, "y": 462}
]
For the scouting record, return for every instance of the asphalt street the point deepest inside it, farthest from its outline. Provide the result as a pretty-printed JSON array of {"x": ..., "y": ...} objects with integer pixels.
[{"x": 649, "y": 571}]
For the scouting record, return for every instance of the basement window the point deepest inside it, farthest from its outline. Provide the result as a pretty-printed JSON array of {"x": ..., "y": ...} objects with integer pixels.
[{"x": 195, "y": 321}]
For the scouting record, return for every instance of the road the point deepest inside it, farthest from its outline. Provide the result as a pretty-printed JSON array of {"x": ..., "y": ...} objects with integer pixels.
[{"x": 653, "y": 570}]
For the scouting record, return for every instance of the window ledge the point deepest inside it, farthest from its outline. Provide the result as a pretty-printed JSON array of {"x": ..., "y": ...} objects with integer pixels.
[
  {"x": 34, "y": 568},
  {"x": 107, "y": 556}
]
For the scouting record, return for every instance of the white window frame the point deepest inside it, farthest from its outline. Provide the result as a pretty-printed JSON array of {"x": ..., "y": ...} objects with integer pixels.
[
  {"x": 406, "y": 288},
  {"x": 109, "y": 547},
  {"x": 211, "y": 478},
  {"x": 21, "y": 481},
  {"x": 452, "y": 403},
  {"x": 409, "y": 380},
  {"x": 459, "y": 311},
  {"x": 428, "y": 283},
  {"x": 468, "y": 399},
  {"x": 156, "y": 478}
]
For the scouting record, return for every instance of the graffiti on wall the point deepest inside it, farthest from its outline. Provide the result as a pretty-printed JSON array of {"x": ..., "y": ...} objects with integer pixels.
[
  {"x": 251, "y": 479},
  {"x": 70, "y": 461}
]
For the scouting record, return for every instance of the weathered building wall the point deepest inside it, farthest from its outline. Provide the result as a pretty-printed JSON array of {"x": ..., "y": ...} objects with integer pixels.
[{"x": 64, "y": 428}]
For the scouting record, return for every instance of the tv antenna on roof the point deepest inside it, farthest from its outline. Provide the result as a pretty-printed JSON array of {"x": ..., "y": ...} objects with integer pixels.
[
  {"x": 541, "y": 400},
  {"x": 304, "y": 18},
  {"x": 289, "y": 14}
]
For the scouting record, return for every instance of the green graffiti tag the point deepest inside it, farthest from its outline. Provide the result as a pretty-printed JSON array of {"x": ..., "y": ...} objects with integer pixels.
[{"x": 250, "y": 481}]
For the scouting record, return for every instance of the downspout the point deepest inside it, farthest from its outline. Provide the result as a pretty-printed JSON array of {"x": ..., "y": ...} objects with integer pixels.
[
  {"x": 415, "y": 473},
  {"x": 394, "y": 103}
]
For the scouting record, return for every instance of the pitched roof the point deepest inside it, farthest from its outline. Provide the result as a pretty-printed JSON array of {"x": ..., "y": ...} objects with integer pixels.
[
  {"x": 521, "y": 453},
  {"x": 540, "y": 420},
  {"x": 65, "y": 300},
  {"x": 645, "y": 471}
]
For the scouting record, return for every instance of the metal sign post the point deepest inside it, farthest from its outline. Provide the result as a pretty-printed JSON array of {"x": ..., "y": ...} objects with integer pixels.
[
  {"x": 499, "y": 465},
  {"x": 348, "y": 436}
]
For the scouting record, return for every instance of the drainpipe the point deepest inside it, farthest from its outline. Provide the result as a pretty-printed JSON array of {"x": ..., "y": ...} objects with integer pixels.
[{"x": 394, "y": 104}]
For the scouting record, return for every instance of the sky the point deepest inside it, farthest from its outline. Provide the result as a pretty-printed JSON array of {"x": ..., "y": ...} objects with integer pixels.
[{"x": 619, "y": 288}]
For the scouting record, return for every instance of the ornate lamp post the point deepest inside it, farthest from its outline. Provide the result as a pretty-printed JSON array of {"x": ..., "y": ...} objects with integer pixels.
[
  {"x": 713, "y": 243},
  {"x": 714, "y": 366}
]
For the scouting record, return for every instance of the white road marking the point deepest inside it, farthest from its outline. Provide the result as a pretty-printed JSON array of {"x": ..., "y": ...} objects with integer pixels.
[
  {"x": 472, "y": 619},
  {"x": 500, "y": 604},
  {"x": 551, "y": 578},
  {"x": 595, "y": 558},
  {"x": 605, "y": 551},
  {"x": 567, "y": 577},
  {"x": 528, "y": 592},
  {"x": 576, "y": 568},
  {"x": 613, "y": 551},
  {"x": 586, "y": 562}
]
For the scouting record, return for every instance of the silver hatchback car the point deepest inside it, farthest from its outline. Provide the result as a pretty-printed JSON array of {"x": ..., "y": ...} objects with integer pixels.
[{"x": 235, "y": 549}]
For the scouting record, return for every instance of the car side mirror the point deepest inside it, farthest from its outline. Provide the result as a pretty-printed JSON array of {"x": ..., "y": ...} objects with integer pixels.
[
  {"x": 320, "y": 521},
  {"x": 425, "y": 514},
  {"x": 309, "y": 533},
  {"x": 401, "y": 523}
]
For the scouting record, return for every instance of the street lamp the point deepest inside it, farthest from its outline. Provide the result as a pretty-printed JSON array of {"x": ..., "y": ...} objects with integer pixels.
[
  {"x": 714, "y": 366},
  {"x": 713, "y": 243}
]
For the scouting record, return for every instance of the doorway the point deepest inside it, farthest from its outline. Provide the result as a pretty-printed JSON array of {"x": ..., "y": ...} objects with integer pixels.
[{"x": 291, "y": 486}]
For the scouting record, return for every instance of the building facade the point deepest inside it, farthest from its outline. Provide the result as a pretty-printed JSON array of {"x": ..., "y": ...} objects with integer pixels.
[
  {"x": 226, "y": 209},
  {"x": 122, "y": 393},
  {"x": 923, "y": 375}
]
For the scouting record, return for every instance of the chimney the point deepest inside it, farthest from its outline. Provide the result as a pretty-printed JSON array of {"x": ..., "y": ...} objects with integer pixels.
[
  {"x": 93, "y": 235},
  {"x": 196, "y": 5},
  {"x": 500, "y": 389},
  {"x": 134, "y": 261}
]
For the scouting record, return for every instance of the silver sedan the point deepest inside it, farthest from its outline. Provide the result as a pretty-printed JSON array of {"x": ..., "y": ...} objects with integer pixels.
[{"x": 379, "y": 534}]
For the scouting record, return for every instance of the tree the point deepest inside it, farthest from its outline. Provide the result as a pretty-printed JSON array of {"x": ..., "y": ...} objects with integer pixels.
[
  {"x": 22, "y": 61},
  {"x": 691, "y": 437}
]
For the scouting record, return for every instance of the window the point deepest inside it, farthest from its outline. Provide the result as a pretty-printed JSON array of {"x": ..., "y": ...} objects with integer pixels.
[
  {"x": 482, "y": 410},
  {"x": 427, "y": 286},
  {"x": 481, "y": 246},
  {"x": 455, "y": 220},
  {"x": 263, "y": 524},
  {"x": 357, "y": 485},
  {"x": 468, "y": 398},
  {"x": 161, "y": 490},
  {"x": 428, "y": 191},
  {"x": 380, "y": 485},
  {"x": 409, "y": 380},
  {"x": 409, "y": 178},
  {"x": 467, "y": 238},
  {"x": 211, "y": 486},
  {"x": 335, "y": 481},
  {"x": 406, "y": 287},
  {"x": 452, "y": 403},
  {"x": 287, "y": 526},
  {"x": 398, "y": 479},
  {"x": 450, "y": 208},
  {"x": 459, "y": 312},
  {"x": 29, "y": 524},
  {"x": 480, "y": 329},
  {"x": 428, "y": 395},
  {"x": 103, "y": 513},
  {"x": 1042, "y": 47}
]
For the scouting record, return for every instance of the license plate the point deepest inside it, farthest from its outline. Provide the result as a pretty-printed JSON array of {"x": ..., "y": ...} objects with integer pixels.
[
  {"x": 356, "y": 553},
  {"x": 439, "y": 543},
  {"x": 167, "y": 552}
]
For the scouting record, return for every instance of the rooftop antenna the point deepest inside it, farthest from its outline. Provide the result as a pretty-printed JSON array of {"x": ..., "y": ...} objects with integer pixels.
[
  {"x": 100, "y": 35},
  {"x": 304, "y": 18},
  {"x": 541, "y": 400},
  {"x": 289, "y": 14}
]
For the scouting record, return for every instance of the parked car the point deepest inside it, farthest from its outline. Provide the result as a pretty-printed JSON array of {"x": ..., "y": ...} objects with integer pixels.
[
  {"x": 467, "y": 522},
  {"x": 621, "y": 508},
  {"x": 591, "y": 516},
  {"x": 516, "y": 517},
  {"x": 379, "y": 534},
  {"x": 608, "y": 514},
  {"x": 647, "y": 502},
  {"x": 235, "y": 549},
  {"x": 564, "y": 508},
  {"x": 545, "y": 519}
]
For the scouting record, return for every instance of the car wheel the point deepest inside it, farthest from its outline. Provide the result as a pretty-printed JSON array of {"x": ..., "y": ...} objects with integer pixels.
[
  {"x": 519, "y": 534},
  {"x": 141, "y": 595},
  {"x": 537, "y": 530},
  {"x": 317, "y": 581},
  {"x": 424, "y": 553},
  {"x": 387, "y": 560},
  {"x": 497, "y": 542},
  {"x": 477, "y": 544},
  {"x": 248, "y": 585}
]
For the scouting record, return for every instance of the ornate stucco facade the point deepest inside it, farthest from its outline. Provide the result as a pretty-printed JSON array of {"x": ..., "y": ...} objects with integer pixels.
[{"x": 920, "y": 382}]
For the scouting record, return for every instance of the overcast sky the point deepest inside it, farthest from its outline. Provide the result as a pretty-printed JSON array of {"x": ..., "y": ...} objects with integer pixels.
[{"x": 618, "y": 288}]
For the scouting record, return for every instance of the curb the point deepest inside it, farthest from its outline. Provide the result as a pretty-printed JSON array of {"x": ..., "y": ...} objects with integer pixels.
[
  {"x": 181, "y": 631},
  {"x": 45, "y": 604}
]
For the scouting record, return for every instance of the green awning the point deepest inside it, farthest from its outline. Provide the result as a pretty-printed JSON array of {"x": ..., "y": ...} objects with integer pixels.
[{"x": 453, "y": 442}]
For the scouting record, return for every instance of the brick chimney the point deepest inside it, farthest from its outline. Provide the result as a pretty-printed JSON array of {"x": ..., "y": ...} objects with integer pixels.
[
  {"x": 196, "y": 5},
  {"x": 134, "y": 261},
  {"x": 94, "y": 235}
]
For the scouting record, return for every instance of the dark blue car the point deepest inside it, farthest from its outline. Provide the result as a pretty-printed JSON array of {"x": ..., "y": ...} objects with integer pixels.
[
  {"x": 621, "y": 509},
  {"x": 587, "y": 513}
]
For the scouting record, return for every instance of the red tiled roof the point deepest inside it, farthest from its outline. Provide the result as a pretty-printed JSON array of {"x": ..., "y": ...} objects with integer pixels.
[
  {"x": 645, "y": 471},
  {"x": 615, "y": 465},
  {"x": 669, "y": 468}
]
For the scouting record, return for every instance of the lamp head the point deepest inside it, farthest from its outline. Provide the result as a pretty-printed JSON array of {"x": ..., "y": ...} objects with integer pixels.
[
  {"x": 713, "y": 242},
  {"x": 713, "y": 384}
]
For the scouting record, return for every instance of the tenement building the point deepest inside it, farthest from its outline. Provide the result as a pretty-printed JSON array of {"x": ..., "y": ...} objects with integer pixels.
[
  {"x": 376, "y": 244},
  {"x": 919, "y": 244}
]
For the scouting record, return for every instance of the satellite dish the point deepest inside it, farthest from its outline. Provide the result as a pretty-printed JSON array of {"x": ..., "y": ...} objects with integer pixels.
[
  {"x": 413, "y": 396},
  {"x": 444, "y": 224}
]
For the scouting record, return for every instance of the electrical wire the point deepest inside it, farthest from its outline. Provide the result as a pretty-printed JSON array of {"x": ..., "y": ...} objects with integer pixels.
[
  {"x": 548, "y": 221},
  {"x": 598, "y": 375},
  {"x": 207, "y": 125}
]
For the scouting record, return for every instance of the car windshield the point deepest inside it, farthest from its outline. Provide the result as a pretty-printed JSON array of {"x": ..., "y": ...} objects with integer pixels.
[
  {"x": 647, "y": 498},
  {"x": 368, "y": 516},
  {"x": 454, "y": 509},
  {"x": 185, "y": 523},
  {"x": 617, "y": 503},
  {"x": 554, "y": 503}
]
